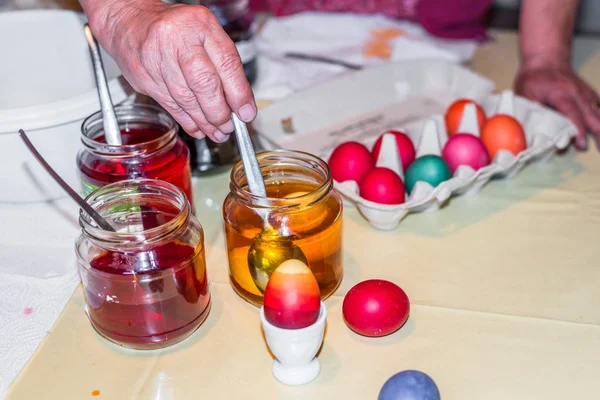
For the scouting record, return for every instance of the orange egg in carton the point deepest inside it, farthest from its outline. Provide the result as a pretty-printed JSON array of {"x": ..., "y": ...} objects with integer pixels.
[{"x": 496, "y": 138}]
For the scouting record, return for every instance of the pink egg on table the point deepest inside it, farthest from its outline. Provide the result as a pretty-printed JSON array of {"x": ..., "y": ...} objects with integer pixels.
[
  {"x": 350, "y": 161},
  {"x": 465, "y": 149},
  {"x": 383, "y": 186},
  {"x": 406, "y": 148},
  {"x": 375, "y": 307}
]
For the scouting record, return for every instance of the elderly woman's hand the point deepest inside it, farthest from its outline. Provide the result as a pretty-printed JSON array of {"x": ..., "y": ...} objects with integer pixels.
[
  {"x": 555, "y": 84},
  {"x": 180, "y": 56}
]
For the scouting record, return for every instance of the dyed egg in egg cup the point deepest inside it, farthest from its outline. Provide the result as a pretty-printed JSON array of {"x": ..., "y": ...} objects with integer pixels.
[
  {"x": 545, "y": 132},
  {"x": 293, "y": 319}
]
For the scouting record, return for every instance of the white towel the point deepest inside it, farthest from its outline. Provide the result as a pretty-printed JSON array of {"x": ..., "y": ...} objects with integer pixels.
[{"x": 38, "y": 275}]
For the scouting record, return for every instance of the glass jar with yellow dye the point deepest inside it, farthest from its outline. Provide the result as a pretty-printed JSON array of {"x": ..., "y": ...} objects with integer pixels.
[{"x": 301, "y": 217}]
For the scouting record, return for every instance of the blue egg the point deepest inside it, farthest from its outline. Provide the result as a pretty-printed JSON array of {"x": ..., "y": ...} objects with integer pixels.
[{"x": 409, "y": 385}]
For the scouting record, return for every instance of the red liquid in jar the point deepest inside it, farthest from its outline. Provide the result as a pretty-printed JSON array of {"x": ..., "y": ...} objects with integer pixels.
[
  {"x": 170, "y": 164},
  {"x": 162, "y": 303}
]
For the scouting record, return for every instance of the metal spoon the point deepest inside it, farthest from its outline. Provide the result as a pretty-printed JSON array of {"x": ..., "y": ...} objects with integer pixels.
[
  {"x": 112, "y": 133},
  {"x": 326, "y": 60},
  {"x": 102, "y": 223},
  {"x": 256, "y": 184},
  {"x": 269, "y": 249}
]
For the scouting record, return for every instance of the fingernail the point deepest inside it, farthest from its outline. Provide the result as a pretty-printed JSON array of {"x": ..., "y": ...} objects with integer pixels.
[
  {"x": 220, "y": 137},
  {"x": 582, "y": 144},
  {"x": 227, "y": 127},
  {"x": 197, "y": 134},
  {"x": 247, "y": 113}
]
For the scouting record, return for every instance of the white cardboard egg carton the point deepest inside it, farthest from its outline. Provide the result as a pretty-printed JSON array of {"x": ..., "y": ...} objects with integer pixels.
[{"x": 546, "y": 132}]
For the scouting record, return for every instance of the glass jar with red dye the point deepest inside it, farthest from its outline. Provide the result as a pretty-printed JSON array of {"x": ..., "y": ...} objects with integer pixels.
[
  {"x": 150, "y": 149},
  {"x": 145, "y": 285}
]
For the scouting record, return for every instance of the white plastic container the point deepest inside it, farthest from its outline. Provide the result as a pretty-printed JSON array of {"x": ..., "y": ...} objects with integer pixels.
[
  {"x": 363, "y": 104},
  {"x": 295, "y": 349},
  {"x": 47, "y": 88}
]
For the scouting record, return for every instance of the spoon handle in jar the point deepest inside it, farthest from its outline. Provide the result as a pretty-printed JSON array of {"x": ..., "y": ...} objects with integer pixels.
[
  {"x": 102, "y": 223},
  {"x": 111, "y": 125},
  {"x": 256, "y": 184}
]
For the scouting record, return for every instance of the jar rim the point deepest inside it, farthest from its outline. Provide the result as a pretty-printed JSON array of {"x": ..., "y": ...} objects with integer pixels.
[
  {"x": 238, "y": 174},
  {"x": 125, "y": 113},
  {"x": 104, "y": 197}
]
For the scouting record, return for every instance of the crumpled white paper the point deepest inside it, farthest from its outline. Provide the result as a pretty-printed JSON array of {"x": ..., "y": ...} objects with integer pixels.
[{"x": 341, "y": 37}]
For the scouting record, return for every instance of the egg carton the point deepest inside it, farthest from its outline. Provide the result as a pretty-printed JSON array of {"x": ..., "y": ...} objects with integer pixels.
[{"x": 546, "y": 132}]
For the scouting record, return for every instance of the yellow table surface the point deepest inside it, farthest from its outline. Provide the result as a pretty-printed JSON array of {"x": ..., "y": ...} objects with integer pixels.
[{"x": 503, "y": 288}]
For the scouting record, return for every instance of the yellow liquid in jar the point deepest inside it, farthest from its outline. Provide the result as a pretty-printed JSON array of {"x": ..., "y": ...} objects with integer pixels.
[{"x": 316, "y": 229}]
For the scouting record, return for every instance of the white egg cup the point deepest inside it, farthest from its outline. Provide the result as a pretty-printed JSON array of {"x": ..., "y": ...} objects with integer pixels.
[{"x": 295, "y": 349}]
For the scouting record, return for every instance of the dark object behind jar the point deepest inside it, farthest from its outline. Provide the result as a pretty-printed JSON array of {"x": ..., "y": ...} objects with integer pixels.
[
  {"x": 207, "y": 156},
  {"x": 237, "y": 21}
]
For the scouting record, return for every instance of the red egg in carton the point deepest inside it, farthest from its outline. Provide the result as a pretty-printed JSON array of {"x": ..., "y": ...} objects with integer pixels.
[{"x": 513, "y": 132}]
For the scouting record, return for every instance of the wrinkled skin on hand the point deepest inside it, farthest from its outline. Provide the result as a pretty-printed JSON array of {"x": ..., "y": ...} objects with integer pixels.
[
  {"x": 557, "y": 86},
  {"x": 181, "y": 57}
]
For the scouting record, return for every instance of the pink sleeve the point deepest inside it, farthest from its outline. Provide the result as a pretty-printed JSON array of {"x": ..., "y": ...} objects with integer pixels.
[
  {"x": 457, "y": 19},
  {"x": 391, "y": 8},
  {"x": 258, "y": 5},
  {"x": 454, "y": 19}
]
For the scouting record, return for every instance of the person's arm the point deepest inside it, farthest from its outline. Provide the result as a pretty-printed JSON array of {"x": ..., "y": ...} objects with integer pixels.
[
  {"x": 546, "y": 35},
  {"x": 546, "y": 30},
  {"x": 180, "y": 56}
]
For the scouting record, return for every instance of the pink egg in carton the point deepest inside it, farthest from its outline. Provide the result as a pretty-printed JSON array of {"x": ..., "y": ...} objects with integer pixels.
[{"x": 545, "y": 130}]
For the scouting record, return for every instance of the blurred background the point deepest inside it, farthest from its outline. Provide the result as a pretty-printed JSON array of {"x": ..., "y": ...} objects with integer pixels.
[{"x": 504, "y": 14}]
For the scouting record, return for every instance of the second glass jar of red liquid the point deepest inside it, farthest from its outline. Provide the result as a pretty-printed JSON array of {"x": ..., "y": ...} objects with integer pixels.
[
  {"x": 145, "y": 285},
  {"x": 150, "y": 149}
]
